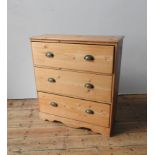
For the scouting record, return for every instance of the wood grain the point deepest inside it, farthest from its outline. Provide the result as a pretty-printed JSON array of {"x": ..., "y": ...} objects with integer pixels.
[
  {"x": 129, "y": 150},
  {"x": 72, "y": 84},
  {"x": 28, "y": 135},
  {"x": 70, "y": 72},
  {"x": 76, "y": 124},
  {"x": 80, "y": 39},
  {"x": 75, "y": 109},
  {"x": 115, "y": 83},
  {"x": 71, "y": 56}
]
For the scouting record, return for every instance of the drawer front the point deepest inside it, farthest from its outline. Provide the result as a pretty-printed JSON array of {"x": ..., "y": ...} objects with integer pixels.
[
  {"x": 81, "y": 85},
  {"x": 93, "y": 58},
  {"x": 86, "y": 111}
]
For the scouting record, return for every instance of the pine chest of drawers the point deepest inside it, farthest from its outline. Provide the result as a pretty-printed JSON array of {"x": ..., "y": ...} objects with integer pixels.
[{"x": 77, "y": 79}]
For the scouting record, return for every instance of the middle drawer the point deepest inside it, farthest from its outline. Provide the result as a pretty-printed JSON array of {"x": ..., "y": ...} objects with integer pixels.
[{"x": 79, "y": 85}]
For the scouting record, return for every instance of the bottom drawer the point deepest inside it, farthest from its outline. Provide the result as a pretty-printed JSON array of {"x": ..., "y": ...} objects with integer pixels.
[{"x": 81, "y": 110}]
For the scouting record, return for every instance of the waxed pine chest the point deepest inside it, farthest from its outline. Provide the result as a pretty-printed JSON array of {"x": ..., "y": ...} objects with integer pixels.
[{"x": 77, "y": 79}]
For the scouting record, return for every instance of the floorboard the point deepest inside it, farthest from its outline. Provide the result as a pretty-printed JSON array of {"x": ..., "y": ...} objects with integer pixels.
[{"x": 28, "y": 135}]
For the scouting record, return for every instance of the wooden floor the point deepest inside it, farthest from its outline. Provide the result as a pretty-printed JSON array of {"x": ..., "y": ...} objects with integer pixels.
[{"x": 28, "y": 135}]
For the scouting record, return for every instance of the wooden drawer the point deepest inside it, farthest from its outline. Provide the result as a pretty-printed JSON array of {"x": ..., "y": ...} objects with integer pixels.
[
  {"x": 80, "y": 85},
  {"x": 95, "y": 58},
  {"x": 86, "y": 111}
]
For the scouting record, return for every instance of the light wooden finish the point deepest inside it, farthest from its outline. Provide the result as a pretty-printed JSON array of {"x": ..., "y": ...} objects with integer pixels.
[
  {"x": 73, "y": 76},
  {"x": 73, "y": 84},
  {"x": 71, "y": 56},
  {"x": 116, "y": 75},
  {"x": 76, "y": 123},
  {"x": 80, "y": 39},
  {"x": 74, "y": 109},
  {"x": 28, "y": 135}
]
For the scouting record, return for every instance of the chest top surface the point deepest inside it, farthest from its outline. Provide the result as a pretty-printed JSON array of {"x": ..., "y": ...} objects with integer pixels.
[{"x": 78, "y": 39}]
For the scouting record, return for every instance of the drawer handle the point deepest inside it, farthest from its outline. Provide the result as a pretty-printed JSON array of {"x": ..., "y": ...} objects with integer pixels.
[
  {"x": 52, "y": 80},
  {"x": 89, "y": 58},
  {"x": 54, "y": 104},
  {"x": 49, "y": 54},
  {"x": 89, "y": 111},
  {"x": 89, "y": 85}
]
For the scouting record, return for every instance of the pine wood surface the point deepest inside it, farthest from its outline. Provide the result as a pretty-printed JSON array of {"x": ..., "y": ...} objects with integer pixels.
[
  {"x": 75, "y": 109},
  {"x": 63, "y": 52},
  {"x": 28, "y": 135},
  {"x": 77, "y": 39},
  {"x": 71, "y": 56},
  {"x": 76, "y": 123},
  {"x": 72, "y": 84}
]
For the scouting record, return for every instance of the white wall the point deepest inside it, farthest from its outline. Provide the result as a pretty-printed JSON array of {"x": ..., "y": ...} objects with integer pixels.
[{"x": 92, "y": 17}]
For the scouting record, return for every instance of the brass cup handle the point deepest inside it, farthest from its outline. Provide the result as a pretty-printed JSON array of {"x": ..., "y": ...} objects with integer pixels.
[
  {"x": 51, "y": 80},
  {"x": 49, "y": 54},
  {"x": 89, "y": 111},
  {"x": 89, "y": 58},
  {"x": 89, "y": 85},
  {"x": 54, "y": 104}
]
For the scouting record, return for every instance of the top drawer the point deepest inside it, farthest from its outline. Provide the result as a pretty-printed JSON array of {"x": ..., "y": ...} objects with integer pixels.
[{"x": 95, "y": 58}]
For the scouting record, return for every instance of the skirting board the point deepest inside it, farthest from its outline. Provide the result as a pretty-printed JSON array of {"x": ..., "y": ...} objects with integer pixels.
[{"x": 75, "y": 123}]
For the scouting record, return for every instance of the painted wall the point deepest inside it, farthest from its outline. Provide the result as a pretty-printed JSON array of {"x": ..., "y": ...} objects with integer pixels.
[{"x": 91, "y": 17}]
